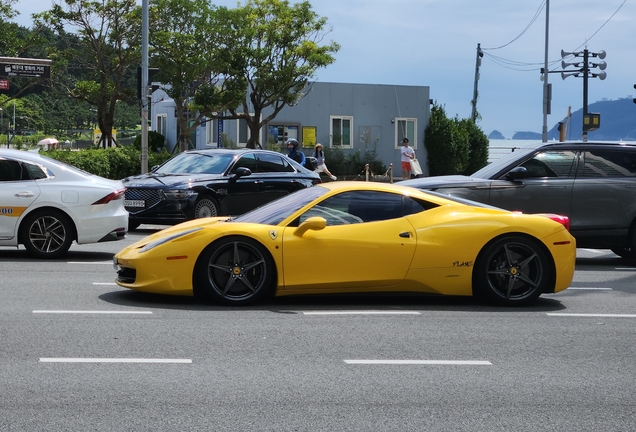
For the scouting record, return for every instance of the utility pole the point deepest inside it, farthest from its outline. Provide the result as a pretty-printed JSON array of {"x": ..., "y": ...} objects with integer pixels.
[
  {"x": 480, "y": 54},
  {"x": 144, "y": 86},
  {"x": 591, "y": 121},
  {"x": 546, "y": 87}
]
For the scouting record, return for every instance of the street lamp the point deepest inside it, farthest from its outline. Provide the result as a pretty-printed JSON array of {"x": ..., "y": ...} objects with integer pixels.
[{"x": 591, "y": 121}]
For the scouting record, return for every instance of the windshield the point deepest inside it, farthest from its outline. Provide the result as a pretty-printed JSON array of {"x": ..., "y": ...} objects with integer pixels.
[
  {"x": 196, "y": 163},
  {"x": 277, "y": 211}
]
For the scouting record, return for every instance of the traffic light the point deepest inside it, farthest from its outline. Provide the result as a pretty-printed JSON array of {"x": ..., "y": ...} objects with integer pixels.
[{"x": 634, "y": 100}]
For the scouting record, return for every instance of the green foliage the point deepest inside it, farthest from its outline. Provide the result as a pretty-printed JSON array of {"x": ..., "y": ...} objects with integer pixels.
[
  {"x": 113, "y": 163},
  {"x": 106, "y": 48},
  {"x": 192, "y": 47},
  {"x": 353, "y": 163},
  {"x": 478, "y": 146},
  {"x": 277, "y": 52},
  {"x": 156, "y": 142},
  {"x": 454, "y": 146},
  {"x": 447, "y": 144},
  {"x": 227, "y": 142}
]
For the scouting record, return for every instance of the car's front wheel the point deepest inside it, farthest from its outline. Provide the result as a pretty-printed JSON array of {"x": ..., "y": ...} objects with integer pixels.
[
  {"x": 47, "y": 234},
  {"x": 512, "y": 271},
  {"x": 235, "y": 270},
  {"x": 206, "y": 207}
]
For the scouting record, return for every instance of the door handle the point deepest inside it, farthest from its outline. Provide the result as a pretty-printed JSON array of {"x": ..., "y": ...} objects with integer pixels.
[
  {"x": 405, "y": 234},
  {"x": 27, "y": 194}
]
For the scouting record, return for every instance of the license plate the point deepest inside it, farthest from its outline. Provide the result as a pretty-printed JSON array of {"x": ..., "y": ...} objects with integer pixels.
[{"x": 134, "y": 203}]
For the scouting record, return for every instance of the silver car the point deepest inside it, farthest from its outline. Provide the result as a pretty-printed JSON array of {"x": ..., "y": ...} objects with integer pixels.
[{"x": 594, "y": 184}]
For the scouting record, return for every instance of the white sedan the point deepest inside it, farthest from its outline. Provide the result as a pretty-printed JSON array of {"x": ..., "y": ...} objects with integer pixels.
[{"x": 45, "y": 205}]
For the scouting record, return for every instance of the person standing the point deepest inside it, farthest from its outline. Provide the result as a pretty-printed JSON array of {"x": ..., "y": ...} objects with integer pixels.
[
  {"x": 408, "y": 154},
  {"x": 319, "y": 154}
]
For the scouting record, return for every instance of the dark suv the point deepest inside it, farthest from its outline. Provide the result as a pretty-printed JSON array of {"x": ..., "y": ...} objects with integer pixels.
[
  {"x": 212, "y": 182},
  {"x": 594, "y": 184}
]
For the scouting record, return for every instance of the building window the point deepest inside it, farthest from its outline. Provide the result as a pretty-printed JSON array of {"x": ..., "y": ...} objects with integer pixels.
[
  {"x": 161, "y": 124},
  {"x": 212, "y": 133},
  {"x": 280, "y": 133},
  {"x": 341, "y": 129},
  {"x": 405, "y": 128}
]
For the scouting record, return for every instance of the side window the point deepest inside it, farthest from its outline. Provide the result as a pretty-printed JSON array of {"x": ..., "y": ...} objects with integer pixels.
[
  {"x": 357, "y": 207},
  {"x": 246, "y": 161},
  {"x": 608, "y": 163},
  {"x": 35, "y": 171},
  {"x": 411, "y": 206},
  {"x": 553, "y": 163},
  {"x": 10, "y": 170},
  {"x": 273, "y": 163}
]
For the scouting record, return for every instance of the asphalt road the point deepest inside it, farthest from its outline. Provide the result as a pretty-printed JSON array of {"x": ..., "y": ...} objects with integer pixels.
[{"x": 79, "y": 353}]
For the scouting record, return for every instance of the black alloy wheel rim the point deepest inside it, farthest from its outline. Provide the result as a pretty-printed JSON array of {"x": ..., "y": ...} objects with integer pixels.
[
  {"x": 237, "y": 271},
  {"x": 515, "y": 271}
]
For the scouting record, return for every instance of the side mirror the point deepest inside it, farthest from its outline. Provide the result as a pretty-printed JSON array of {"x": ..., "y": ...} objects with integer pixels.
[
  {"x": 154, "y": 168},
  {"x": 517, "y": 173},
  {"x": 315, "y": 223},
  {"x": 241, "y": 172}
]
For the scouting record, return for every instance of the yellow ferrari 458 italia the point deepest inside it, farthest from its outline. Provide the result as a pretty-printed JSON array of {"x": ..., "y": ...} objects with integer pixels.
[{"x": 356, "y": 237}]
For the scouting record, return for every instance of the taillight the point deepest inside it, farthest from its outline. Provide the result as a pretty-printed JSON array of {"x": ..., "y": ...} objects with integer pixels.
[
  {"x": 119, "y": 194},
  {"x": 563, "y": 220}
]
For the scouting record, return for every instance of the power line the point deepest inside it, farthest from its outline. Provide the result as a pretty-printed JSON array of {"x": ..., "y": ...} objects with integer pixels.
[
  {"x": 532, "y": 67},
  {"x": 534, "y": 18}
]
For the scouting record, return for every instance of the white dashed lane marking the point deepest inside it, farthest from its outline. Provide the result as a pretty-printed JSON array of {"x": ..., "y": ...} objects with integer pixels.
[
  {"x": 362, "y": 313},
  {"x": 89, "y": 312},
  {"x": 112, "y": 360},
  {"x": 421, "y": 362},
  {"x": 591, "y": 315}
]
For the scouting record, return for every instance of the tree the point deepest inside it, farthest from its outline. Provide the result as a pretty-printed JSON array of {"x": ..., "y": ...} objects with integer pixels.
[
  {"x": 10, "y": 44},
  {"x": 478, "y": 144},
  {"x": 280, "y": 45},
  {"x": 194, "y": 53},
  {"x": 16, "y": 41},
  {"x": 447, "y": 144},
  {"x": 108, "y": 46}
]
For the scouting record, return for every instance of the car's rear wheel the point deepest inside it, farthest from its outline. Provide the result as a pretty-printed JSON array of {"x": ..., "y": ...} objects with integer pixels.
[
  {"x": 627, "y": 253},
  {"x": 630, "y": 251},
  {"x": 512, "y": 271},
  {"x": 47, "y": 234},
  {"x": 206, "y": 207},
  {"x": 235, "y": 270}
]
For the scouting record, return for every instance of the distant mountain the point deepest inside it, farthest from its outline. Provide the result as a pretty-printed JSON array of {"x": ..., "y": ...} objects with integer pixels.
[
  {"x": 495, "y": 135},
  {"x": 526, "y": 136},
  {"x": 618, "y": 122}
]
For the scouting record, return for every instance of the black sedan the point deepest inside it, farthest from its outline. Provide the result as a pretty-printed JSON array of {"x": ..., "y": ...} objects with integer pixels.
[
  {"x": 594, "y": 184},
  {"x": 212, "y": 182}
]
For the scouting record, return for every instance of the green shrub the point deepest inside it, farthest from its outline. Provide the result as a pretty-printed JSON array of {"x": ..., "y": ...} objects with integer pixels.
[
  {"x": 478, "y": 147},
  {"x": 353, "y": 163},
  {"x": 114, "y": 162},
  {"x": 156, "y": 141}
]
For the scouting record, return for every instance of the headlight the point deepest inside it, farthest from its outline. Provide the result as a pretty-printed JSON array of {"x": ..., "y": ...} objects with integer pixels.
[
  {"x": 161, "y": 241},
  {"x": 178, "y": 193}
]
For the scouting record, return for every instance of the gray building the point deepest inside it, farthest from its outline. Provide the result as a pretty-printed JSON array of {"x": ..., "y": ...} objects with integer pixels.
[{"x": 355, "y": 117}]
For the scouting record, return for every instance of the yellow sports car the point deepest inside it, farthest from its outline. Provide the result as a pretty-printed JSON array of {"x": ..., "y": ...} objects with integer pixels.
[{"x": 356, "y": 237}]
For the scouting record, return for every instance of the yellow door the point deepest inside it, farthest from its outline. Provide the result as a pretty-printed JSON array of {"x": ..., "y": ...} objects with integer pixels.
[{"x": 366, "y": 254}]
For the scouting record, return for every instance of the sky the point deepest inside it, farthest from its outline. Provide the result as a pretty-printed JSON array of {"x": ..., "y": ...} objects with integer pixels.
[{"x": 434, "y": 43}]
